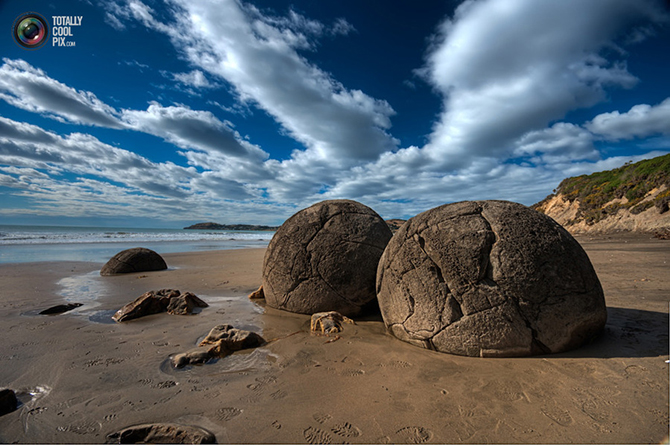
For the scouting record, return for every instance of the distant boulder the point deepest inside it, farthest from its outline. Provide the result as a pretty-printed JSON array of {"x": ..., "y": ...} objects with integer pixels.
[
  {"x": 324, "y": 258},
  {"x": 489, "y": 278},
  {"x": 137, "y": 259}
]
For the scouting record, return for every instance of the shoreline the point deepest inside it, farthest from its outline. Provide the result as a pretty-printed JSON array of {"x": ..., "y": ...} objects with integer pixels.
[{"x": 90, "y": 378}]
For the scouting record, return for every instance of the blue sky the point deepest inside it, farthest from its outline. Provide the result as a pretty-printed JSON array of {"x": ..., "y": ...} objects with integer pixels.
[{"x": 168, "y": 112}]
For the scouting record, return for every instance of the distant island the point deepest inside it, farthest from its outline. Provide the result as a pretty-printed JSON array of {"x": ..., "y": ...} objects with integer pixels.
[
  {"x": 394, "y": 224},
  {"x": 241, "y": 227}
]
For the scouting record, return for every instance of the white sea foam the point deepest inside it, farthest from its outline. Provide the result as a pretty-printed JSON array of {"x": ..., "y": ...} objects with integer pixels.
[{"x": 13, "y": 235}]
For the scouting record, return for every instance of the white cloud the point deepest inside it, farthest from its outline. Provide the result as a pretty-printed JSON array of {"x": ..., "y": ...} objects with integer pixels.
[
  {"x": 29, "y": 88},
  {"x": 638, "y": 122},
  {"x": 258, "y": 55},
  {"x": 194, "y": 129},
  {"x": 507, "y": 67}
]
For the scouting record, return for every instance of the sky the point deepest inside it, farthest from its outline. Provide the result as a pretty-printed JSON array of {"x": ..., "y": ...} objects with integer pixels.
[{"x": 164, "y": 113}]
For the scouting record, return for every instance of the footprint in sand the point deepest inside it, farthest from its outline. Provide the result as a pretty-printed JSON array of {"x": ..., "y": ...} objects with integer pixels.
[
  {"x": 353, "y": 372},
  {"x": 558, "y": 415},
  {"x": 315, "y": 435},
  {"x": 414, "y": 434},
  {"x": 227, "y": 413},
  {"x": 346, "y": 430},
  {"x": 322, "y": 417}
]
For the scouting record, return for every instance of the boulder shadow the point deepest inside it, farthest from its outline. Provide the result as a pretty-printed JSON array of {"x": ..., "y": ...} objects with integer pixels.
[{"x": 628, "y": 333}]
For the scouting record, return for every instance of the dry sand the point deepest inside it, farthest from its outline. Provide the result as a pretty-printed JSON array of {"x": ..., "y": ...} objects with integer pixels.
[{"x": 89, "y": 377}]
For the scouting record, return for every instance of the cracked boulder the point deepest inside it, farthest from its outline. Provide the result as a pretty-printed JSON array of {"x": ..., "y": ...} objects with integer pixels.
[
  {"x": 137, "y": 259},
  {"x": 324, "y": 258},
  {"x": 489, "y": 278}
]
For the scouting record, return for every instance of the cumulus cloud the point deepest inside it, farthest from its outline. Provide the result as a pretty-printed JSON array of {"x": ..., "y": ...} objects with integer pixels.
[
  {"x": 638, "y": 122},
  {"x": 258, "y": 55},
  {"x": 508, "y": 67}
]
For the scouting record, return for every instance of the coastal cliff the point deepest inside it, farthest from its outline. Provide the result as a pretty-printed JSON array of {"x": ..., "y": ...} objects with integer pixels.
[{"x": 631, "y": 198}]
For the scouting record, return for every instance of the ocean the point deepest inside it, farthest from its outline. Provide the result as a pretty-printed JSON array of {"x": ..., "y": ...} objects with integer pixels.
[{"x": 20, "y": 244}]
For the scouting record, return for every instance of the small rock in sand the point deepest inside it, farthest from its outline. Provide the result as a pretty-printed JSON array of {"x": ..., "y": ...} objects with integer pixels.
[
  {"x": 328, "y": 322},
  {"x": 145, "y": 304},
  {"x": 137, "y": 259},
  {"x": 162, "y": 433},
  {"x": 257, "y": 294},
  {"x": 8, "y": 401},
  {"x": 61, "y": 308},
  {"x": 170, "y": 300},
  {"x": 221, "y": 341}
]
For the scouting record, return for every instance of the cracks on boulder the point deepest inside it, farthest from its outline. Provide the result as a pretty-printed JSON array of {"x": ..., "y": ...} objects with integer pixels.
[
  {"x": 536, "y": 346},
  {"x": 487, "y": 274}
]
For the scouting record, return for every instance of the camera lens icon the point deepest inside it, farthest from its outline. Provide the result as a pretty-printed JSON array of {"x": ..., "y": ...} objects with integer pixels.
[{"x": 31, "y": 30}]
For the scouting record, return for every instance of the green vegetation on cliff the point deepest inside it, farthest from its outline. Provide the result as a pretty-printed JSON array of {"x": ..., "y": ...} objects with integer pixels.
[{"x": 630, "y": 181}]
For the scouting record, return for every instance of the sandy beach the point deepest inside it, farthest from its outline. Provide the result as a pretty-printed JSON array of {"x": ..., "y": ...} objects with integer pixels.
[{"x": 80, "y": 376}]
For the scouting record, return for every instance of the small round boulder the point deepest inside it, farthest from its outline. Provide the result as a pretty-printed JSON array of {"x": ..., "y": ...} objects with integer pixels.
[
  {"x": 137, "y": 259},
  {"x": 489, "y": 279},
  {"x": 324, "y": 258}
]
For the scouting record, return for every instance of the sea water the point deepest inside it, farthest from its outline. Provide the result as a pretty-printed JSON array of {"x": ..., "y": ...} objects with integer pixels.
[{"x": 19, "y": 244}]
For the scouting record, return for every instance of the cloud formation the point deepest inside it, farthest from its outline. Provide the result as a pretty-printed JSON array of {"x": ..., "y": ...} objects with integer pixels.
[
  {"x": 639, "y": 122},
  {"x": 507, "y": 72}
]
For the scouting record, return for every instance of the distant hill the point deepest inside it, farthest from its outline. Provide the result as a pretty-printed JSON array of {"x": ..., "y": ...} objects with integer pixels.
[
  {"x": 215, "y": 226},
  {"x": 394, "y": 224},
  {"x": 634, "y": 197}
]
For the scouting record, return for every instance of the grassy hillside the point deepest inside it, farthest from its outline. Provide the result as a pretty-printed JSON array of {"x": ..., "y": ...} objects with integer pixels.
[{"x": 630, "y": 181}]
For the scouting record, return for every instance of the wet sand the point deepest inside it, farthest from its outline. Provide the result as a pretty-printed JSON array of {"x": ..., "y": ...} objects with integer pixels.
[{"x": 90, "y": 377}]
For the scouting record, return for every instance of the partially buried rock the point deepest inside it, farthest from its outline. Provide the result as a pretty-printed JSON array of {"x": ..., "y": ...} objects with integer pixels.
[
  {"x": 162, "y": 433},
  {"x": 324, "y": 258},
  {"x": 8, "y": 401},
  {"x": 221, "y": 341},
  {"x": 60, "y": 309},
  {"x": 145, "y": 304},
  {"x": 489, "y": 278},
  {"x": 137, "y": 259},
  {"x": 184, "y": 304},
  {"x": 328, "y": 322},
  {"x": 154, "y": 302}
]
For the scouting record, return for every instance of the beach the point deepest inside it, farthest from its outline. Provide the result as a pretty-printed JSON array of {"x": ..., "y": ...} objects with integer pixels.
[{"x": 80, "y": 376}]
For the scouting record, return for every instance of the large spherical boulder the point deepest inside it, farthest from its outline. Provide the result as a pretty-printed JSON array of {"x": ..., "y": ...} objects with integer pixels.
[
  {"x": 489, "y": 278},
  {"x": 137, "y": 259},
  {"x": 324, "y": 258}
]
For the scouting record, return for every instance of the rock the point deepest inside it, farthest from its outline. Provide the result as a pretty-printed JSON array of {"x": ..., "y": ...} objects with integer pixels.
[
  {"x": 257, "y": 294},
  {"x": 489, "y": 278},
  {"x": 61, "y": 308},
  {"x": 145, "y": 304},
  {"x": 137, "y": 259},
  {"x": 328, "y": 322},
  {"x": 196, "y": 356},
  {"x": 8, "y": 401},
  {"x": 154, "y": 302},
  {"x": 221, "y": 341},
  {"x": 324, "y": 258},
  {"x": 233, "y": 339},
  {"x": 184, "y": 304},
  {"x": 162, "y": 433}
]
